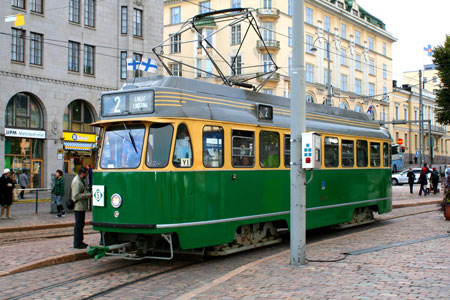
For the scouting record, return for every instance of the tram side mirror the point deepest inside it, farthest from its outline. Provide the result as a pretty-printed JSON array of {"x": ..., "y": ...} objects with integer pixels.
[{"x": 311, "y": 150}]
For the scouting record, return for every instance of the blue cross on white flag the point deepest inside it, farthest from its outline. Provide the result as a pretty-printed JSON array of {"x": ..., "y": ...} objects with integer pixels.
[
  {"x": 148, "y": 65},
  {"x": 132, "y": 64}
]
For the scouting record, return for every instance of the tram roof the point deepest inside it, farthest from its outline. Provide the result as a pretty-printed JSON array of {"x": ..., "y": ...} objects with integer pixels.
[{"x": 190, "y": 98}]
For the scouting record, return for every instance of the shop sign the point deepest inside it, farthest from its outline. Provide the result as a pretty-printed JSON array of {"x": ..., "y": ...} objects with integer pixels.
[
  {"x": 79, "y": 137},
  {"x": 25, "y": 133}
]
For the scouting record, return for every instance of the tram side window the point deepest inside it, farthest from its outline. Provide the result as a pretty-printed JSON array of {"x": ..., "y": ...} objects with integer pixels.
[
  {"x": 213, "y": 146},
  {"x": 287, "y": 151},
  {"x": 182, "y": 155},
  {"x": 386, "y": 156},
  {"x": 269, "y": 149},
  {"x": 122, "y": 147},
  {"x": 331, "y": 152},
  {"x": 243, "y": 154},
  {"x": 361, "y": 153},
  {"x": 158, "y": 148},
  {"x": 348, "y": 150},
  {"x": 375, "y": 154}
]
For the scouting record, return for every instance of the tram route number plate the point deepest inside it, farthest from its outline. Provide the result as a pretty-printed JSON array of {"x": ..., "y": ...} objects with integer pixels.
[
  {"x": 185, "y": 162},
  {"x": 98, "y": 195}
]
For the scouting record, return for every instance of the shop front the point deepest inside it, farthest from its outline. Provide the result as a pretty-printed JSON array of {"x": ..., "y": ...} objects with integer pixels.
[{"x": 79, "y": 150}]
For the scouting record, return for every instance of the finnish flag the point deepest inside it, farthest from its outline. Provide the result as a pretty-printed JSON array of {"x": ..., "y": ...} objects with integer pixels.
[
  {"x": 148, "y": 65},
  {"x": 132, "y": 64}
]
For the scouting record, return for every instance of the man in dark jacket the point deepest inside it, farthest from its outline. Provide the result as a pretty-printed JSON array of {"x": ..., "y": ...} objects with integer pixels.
[
  {"x": 423, "y": 182},
  {"x": 81, "y": 197},
  {"x": 435, "y": 180},
  {"x": 6, "y": 190},
  {"x": 411, "y": 179},
  {"x": 58, "y": 190}
]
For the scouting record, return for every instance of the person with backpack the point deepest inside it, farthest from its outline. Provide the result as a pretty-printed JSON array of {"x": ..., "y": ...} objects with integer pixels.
[
  {"x": 423, "y": 182},
  {"x": 434, "y": 178},
  {"x": 411, "y": 178}
]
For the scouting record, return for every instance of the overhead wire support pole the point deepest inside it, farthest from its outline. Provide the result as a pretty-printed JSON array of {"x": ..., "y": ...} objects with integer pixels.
[
  {"x": 298, "y": 126},
  {"x": 421, "y": 131}
]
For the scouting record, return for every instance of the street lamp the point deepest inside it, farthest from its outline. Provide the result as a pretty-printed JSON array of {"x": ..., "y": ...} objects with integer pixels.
[{"x": 314, "y": 49}]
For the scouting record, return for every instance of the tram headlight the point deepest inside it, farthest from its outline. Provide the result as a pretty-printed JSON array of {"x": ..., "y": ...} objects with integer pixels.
[{"x": 116, "y": 200}]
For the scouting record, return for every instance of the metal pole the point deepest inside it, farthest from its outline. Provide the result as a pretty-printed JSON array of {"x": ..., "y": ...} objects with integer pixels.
[
  {"x": 329, "y": 72},
  {"x": 421, "y": 135},
  {"x": 429, "y": 141},
  {"x": 36, "y": 208},
  {"x": 298, "y": 126}
]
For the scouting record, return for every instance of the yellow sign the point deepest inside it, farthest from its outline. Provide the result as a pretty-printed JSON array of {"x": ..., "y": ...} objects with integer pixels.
[
  {"x": 79, "y": 137},
  {"x": 19, "y": 20}
]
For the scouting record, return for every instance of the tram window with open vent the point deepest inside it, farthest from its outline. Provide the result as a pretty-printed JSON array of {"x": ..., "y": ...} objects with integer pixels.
[
  {"x": 348, "y": 151},
  {"x": 182, "y": 155},
  {"x": 269, "y": 149},
  {"x": 213, "y": 146},
  {"x": 287, "y": 151},
  {"x": 361, "y": 153},
  {"x": 158, "y": 147},
  {"x": 243, "y": 153},
  {"x": 331, "y": 152},
  {"x": 375, "y": 154},
  {"x": 386, "y": 155}
]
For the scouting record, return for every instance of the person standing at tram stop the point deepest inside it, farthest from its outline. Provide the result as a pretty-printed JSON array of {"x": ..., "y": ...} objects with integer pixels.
[
  {"x": 411, "y": 178},
  {"x": 58, "y": 191},
  {"x": 6, "y": 193},
  {"x": 24, "y": 182},
  {"x": 423, "y": 182},
  {"x": 434, "y": 178},
  {"x": 80, "y": 196}
]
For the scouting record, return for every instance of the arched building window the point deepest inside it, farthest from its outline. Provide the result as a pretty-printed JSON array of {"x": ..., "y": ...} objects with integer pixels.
[
  {"x": 344, "y": 105},
  {"x": 77, "y": 117},
  {"x": 358, "y": 108},
  {"x": 309, "y": 98},
  {"x": 23, "y": 111}
]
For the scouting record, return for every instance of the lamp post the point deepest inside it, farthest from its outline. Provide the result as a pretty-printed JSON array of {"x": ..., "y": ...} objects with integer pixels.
[{"x": 314, "y": 49}]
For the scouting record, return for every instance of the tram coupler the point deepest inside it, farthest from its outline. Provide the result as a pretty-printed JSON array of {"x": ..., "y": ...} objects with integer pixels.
[{"x": 101, "y": 251}]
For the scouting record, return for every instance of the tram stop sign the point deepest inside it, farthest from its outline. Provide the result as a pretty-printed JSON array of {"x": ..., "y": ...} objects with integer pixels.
[{"x": 399, "y": 141}]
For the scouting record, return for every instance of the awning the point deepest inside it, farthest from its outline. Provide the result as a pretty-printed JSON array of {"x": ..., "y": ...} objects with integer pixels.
[{"x": 78, "y": 146}]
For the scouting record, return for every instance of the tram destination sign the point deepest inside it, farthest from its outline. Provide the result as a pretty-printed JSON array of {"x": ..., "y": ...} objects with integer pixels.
[{"x": 128, "y": 103}]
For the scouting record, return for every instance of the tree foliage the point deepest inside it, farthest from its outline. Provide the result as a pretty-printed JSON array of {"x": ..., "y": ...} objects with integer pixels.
[{"x": 441, "y": 58}]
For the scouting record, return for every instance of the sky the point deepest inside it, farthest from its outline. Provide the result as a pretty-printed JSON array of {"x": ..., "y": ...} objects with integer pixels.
[{"x": 416, "y": 24}]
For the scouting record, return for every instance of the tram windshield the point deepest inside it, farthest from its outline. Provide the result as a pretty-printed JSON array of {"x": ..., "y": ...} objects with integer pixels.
[{"x": 122, "y": 147}]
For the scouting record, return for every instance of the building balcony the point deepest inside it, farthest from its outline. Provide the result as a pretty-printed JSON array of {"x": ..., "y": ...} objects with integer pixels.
[
  {"x": 270, "y": 44},
  {"x": 268, "y": 12},
  {"x": 435, "y": 129},
  {"x": 275, "y": 76}
]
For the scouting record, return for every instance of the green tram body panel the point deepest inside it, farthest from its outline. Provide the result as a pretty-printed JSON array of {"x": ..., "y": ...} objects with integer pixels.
[{"x": 177, "y": 197}]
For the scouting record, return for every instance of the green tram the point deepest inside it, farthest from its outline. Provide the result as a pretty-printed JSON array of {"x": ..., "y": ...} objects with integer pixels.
[{"x": 190, "y": 165}]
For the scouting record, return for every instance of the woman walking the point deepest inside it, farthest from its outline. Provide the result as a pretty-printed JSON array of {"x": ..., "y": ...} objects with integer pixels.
[
  {"x": 6, "y": 193},
  {"x": 423, "y": 182},
  {"x": 58, "y": 190}
]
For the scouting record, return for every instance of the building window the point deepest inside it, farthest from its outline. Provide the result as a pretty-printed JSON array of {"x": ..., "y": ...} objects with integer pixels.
[
  {"x": 175, "y": 15},
  {"x": 18, "y": 3},
  {"x": 17, "y": 45},
  {"x": 340, "y": 4},
  {"x": 343, "y": 31},
  {"x": 405, "y": 112},
  {"x": 344, "y": 82},
  {"x": 384, "y": 49},
  {"x": 371, "y": 89},
  {"x": 326, "y": 23},
  {"x": 358, "y": 86},
  {"x": 36, "y": 48},
  {"x": 236, "y": 65},
  {"x": 124, "y": 20},
  {"x": 309, "y": 16},
  {"x": 309, "y": 44},
  {"x": 371, "y": 45},
  {"x": 327, "y": 51},
  {"x": 384, "y": 92},
  {"x": 205, "y": 7},
  {"x": 309, "y": 73},
  {"x": 290, "y": 7},
  {"x": 267, "y": 3},
  {"x": 358, "y": 62},
  {"x": 89, "y": 13},
  {"x": 37, "y": 6},
  {"x": 289, "y": 66},
  {"x": 78, "y": 117},
  {"x": 371, "y": 67},
  {"x": 325, "y": 76},
  {"x": 123, "y": 65},
  {"x": 198, "y": 65},
  {"x": 343, "y": 105},
  {"x": 175, "y": 43},
  {"x": 396, "y": 112},
  {"x": 235, "y": 34},
  {"x": 355, "y": 12},
  {"x": 74, "y": 11},
  {"x": 268, "y": 91},
  {"x": 358, "y": 108},
  {"x": 434, "y": 78},
  {"x": 175, "y": 69},
  {"x": 137, "y": 57},
  {"x": 137, "y": 22},
  {"x": 267, "y": 31},
  {"x": 290, "y": 36},
  {"x": 415, "y": 114},
  {"x": 384, "y": 71},
  {"x": 236, "y": 3},
  {"x": 208, "y": 68},
  {"x": 267, "y": 63},
  {"x": 89, "y": 60},
  {"x": 343, "y": 57},
  {"x": 309, "y": 98},
  {"x": 74, "y": 57},
  {"x": 357, "y": 37}
]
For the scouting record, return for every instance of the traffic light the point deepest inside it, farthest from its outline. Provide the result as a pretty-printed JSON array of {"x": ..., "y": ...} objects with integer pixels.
[{"x": 403, "y": 149}]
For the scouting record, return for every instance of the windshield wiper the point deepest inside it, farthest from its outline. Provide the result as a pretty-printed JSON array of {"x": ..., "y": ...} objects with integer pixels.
[{"x": 131, "y": 138}]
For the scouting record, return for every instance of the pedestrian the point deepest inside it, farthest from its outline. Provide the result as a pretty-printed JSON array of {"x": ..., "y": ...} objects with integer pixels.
[
  {"x": 58, "y": 191},
  {"x": 423, "y": 182},
  {"x": 13, "y": 178},
  {"x": 411, "y": 179},
  {"x": 447, "y": 172},
  {"x": 6, "y": 193},
  {"x": 425, "y": 168},
  {"x": 80, "y": 196},
  {"x": 434, "y": 178},
  {"x": 24, "y": 182}
]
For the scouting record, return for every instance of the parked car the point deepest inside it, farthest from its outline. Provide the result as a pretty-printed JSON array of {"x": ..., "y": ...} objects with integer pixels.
[{"x": 402, "y": 178}]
